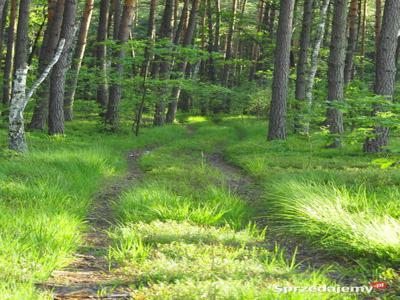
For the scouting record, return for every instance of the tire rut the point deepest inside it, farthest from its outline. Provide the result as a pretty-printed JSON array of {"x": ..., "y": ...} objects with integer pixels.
[
  {"x": 90, "y": 276},
  {"x": 249, "y": 190}
]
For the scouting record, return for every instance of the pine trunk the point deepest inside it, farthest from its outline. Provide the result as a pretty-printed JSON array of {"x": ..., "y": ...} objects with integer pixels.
[
  {"x": 187, "y": 40},
  {"x": 385, "y": 70},
  {"x": 77, "y": 60},
  {"x": 101, "y": 52},
  {"x": 57, "y": 77},
  {"x": 112, "y": 116},
  {"x": 336, "y": 63},
  {"x": 352, "y": 44},
  {"x": 277, "y": 117},
  {"x": 49, "y": 46},
  {"x": 165, "y": 64},
  {"x": 302, "y": 64}
]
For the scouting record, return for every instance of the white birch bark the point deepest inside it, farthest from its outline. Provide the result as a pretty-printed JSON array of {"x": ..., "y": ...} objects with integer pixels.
[
  {"x": 20, "y": 98},
  {"x": 315, "y": 59}
]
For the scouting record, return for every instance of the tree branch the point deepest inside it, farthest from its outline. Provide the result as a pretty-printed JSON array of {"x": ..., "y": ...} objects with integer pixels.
[{"x": 47, "y": 70}]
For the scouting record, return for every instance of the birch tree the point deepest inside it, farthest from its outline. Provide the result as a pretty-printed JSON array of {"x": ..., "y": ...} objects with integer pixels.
[{"x": 20, "y": 96}]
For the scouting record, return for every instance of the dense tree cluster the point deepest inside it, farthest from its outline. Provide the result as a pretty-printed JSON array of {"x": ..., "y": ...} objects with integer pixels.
[{"x": 262, "y": 57}]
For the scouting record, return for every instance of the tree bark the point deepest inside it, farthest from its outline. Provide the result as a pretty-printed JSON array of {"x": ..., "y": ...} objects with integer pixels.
[
  {"x": 47, "y": 51},
  {"x": 217, "y": 37},
  {"x": 187, "y": 40},
  {"x": 302, "y": 64},
  {"x": 328, "y": 25},
  {"x": 210, "y": 47},
  {"x": 8, "y": 70},
  {"x": 116, "y": 17},
  {"x": 57, "y": 77},
  {"x": 378, "y": 25},
  {"x": 277, "y": 117},
  {"x": 16, "y": 135},
  {"x": 183, "y": 21},
  {"x": 229, "y": 45},
  {"x": 164, "y": 66},
  {"x": 148, "y": 55},
  {"x": 352, "y": 44},
  {"x": 255, "y": 51},
  {"x": 385, "y": 70},
  {"x": 363, "y": 38},
  {"x": 101, "y": 52},
  {"x": 336, "y": 70},
  {"x": 112, "y": 116},
  {"x": 3, "y": 20},
  {"x": 319, "y": 39},
  {"x": 77, "y": 60}
]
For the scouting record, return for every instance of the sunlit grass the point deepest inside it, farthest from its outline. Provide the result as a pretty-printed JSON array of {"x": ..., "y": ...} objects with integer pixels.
[
  {"x": 183, "y": 234},
  {"x": 46, "y": 194},
  {"x": 336, "y": 200},
  {"x": 343, "y": 221}
]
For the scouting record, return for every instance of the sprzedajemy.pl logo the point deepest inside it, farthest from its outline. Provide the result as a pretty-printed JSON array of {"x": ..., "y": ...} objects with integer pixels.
[{"x": 379, "y": 285}]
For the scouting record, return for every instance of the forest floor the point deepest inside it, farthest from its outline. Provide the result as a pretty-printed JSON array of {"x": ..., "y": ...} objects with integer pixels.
[
  {"x": 89, "y": 275},
  {"x": 211, "y": 212}
]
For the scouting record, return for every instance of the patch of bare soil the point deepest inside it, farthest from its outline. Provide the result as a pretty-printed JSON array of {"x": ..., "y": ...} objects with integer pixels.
[{"x": 90, "y": 276}]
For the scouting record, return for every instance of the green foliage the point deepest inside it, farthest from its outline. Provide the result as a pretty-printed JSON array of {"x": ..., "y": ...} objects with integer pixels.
[{"x": 47, "y": 193}]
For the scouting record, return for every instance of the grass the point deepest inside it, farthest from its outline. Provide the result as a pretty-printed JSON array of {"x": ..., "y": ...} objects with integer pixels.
[
  {"x": 338, "y": 200},
  {"x": 182, "y": 233},
  {"x": 46, "y": 194}
]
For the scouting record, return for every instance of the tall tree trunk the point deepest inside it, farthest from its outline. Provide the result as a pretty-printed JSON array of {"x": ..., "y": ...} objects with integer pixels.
[
  {"x": 217, "y": 41},
  {"x": 229, "y": 45},
  {"x": 17, "y": 140},
  {"x": 352, "y": 45},
  {"x": 176, "y": 9},
  {"x": 255, "y": 51},
  {"x": 210, "y": 47},
  {"x": 378, "y": 25},
  {"x": 112, "y": 117},
  {"x": 57, "y": 77},
  {"x": 183, "y": 21},
  {"x": 187, "y": 40},
  {"x": 164, "y": 66},
  {"x": 148, "y": 56},
  {"x": 3, "y": 20},
  {"x": 47, "y": 51},
  {"x": 363, "y": 38},
  {"x": 277, "y": 117},
  {"x": 336, "y": 70},
  {"x": 316, "y": 49},
  {"x": 8, "y": 70},
  {"x": 101, "y": 52},
  {"x": 398, "y": 51},
  {"x": 116, "y": 17},
  {"x": 385, "y": 70},
  {"x": 77, "y": 60},
  {"x": 302, "y": 64},
  {"x": 328, "y": 24}
]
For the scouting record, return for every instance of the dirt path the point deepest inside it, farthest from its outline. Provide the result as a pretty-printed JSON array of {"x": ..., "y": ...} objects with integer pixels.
[
  {"x": 89, "y": 276},
  {"x": 248, "y": 189}
]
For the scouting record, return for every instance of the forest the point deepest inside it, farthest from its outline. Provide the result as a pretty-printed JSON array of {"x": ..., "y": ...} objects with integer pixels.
[{"x": 200, "y": 149}]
